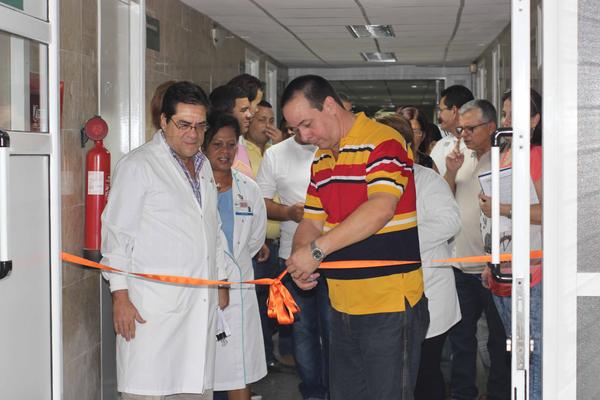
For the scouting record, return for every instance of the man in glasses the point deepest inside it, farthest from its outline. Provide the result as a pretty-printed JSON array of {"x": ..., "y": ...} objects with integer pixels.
[
  {"x": 452, "y": 98},
  {"x": 162, "y": 218},
  {"x": 477, "y": 122}
]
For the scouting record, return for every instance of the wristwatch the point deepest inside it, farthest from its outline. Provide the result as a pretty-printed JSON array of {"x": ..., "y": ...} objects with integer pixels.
[{"x": 317, "y": 253}]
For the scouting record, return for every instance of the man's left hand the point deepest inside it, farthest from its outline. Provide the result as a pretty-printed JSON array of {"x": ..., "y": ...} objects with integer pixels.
[
  {"x": 301, "y": 264},
  {"x": 223, "y": 297},
  {"x": 485, "y": 203},
  {"x": 309, "y": 283}
]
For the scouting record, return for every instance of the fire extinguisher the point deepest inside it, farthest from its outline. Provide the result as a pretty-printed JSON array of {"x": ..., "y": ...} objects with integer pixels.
[{"x": 97, "y": 169}]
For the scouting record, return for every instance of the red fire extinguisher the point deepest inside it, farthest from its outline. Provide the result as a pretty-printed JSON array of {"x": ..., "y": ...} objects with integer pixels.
[{"x": 97, "y": 184}]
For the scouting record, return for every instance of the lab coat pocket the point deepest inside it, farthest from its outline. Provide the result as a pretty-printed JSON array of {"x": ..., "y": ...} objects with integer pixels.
[{"x": 167, "y": 298}]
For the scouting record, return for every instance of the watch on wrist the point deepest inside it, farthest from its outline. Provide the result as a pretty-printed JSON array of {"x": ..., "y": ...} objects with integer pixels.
[{"x": 317, "y": 253}]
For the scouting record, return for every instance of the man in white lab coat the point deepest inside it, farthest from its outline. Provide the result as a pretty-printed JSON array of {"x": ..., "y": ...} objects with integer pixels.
[{"x": 161, "y": 218}]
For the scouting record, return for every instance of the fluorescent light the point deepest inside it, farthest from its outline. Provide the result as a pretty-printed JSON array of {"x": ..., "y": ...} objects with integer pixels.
[
  {"x": 379, "y": 57},
  {"x": 371, "y": 31}
]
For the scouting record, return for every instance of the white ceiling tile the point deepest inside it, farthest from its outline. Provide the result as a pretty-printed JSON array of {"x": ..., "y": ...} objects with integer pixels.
[
  {"x": 324, "y": 29},
  {"x": 318, "y": 35},
  {"x": 322, "y": 13},
  {"x": 304, "y": 4},
  {"x": 322, "y": 21}
]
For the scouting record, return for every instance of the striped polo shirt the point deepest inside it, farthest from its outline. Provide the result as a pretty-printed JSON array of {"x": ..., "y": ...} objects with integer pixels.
[{"x": 372, "y": 158}]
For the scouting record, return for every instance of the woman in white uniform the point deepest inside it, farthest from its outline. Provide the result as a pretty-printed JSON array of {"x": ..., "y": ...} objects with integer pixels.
[
  {"x": 240, "y": 358},
  {"x": 438, "y": 221}
]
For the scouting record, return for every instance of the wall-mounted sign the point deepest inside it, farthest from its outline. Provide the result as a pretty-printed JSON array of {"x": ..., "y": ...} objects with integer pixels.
[
  {"x": 13, "y": 3},
  {"x": 152, "y": 33}
]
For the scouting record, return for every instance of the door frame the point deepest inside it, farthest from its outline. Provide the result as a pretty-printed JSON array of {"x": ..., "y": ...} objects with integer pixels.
[
  {"x": 46, "y": 32},
  {"x": 562, "y": 283}
]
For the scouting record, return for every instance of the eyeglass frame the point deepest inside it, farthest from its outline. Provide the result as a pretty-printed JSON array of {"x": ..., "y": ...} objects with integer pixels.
[
  {"x": 187, "y": 127},
  {"x": 471, "y": 129}
]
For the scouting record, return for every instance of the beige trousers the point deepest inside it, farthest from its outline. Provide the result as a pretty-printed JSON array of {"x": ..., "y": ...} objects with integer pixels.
[{"x": 208, "y": 395}]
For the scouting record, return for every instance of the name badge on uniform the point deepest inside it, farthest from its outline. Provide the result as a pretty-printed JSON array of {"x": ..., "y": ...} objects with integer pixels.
[{"x": 242, "y": 207}]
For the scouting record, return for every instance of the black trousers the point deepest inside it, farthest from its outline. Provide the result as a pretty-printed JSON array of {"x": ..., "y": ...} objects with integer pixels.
[{"x": 430, "y": 381}]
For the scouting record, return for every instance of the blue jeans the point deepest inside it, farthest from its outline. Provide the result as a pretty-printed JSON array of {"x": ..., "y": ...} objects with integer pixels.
[
  {"x": 504, "y": 305},
  {"x": 376, "y": 356},
  {"x": 311, "y": 337},
  {"x": 270, "y": 268},
  {"x": 475, "y": 299}
]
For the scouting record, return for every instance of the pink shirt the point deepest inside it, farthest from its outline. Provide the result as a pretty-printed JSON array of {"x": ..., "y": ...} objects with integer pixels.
[{"x": 535, "y": 167}]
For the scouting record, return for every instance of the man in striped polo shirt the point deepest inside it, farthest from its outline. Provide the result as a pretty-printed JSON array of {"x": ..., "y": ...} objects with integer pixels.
[{"x": 360, "y": 205}]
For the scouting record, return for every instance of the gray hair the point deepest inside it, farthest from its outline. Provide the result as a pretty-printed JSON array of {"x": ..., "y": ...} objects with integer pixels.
[{"x": 487, "y": 109}]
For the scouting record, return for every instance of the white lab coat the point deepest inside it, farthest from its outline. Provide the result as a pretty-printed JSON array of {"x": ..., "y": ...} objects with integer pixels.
[
  {"x": 438, "y": 221},
  {"x": 154, "y": 224},
  {"x": 242, "y": 359}
]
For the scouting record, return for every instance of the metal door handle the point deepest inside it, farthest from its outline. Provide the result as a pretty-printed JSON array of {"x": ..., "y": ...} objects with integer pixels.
[
  {"x": 5, "y": 261},
  {"x": 495, "y": 264}
]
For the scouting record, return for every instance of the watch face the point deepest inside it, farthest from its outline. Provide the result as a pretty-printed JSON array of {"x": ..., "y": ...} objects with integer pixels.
[{"x": 317, "y": 254}]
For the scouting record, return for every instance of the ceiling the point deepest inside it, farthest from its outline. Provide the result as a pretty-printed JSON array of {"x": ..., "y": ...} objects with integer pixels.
[
  {"x": 388, "y": 93},
  {"x": 312, "y": 33}
]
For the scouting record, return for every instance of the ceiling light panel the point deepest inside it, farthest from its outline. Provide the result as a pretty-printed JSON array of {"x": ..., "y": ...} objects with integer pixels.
[
  {"x": 379, "y": 57},
  {"x": 371, "y": 31}
]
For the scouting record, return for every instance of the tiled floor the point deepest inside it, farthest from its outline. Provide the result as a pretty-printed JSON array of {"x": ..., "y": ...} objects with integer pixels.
[{"x": 278, "y": 386}]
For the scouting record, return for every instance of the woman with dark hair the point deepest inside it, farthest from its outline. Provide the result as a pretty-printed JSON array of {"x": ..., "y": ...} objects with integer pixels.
[
  {"x": 502, "y": 291},
  {"x": 240, "y": 358},
  {"x": 421, "y": 139}
]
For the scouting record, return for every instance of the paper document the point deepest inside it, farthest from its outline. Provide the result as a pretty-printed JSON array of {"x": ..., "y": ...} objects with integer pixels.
[{"x": 485, "y": 180}]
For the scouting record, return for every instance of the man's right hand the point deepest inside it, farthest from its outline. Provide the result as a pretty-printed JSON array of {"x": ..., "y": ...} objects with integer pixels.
[
  {"x": 295, "y": 212},
  {"x": 455, "y": 159},
  {"x": 125, "y": 315}
]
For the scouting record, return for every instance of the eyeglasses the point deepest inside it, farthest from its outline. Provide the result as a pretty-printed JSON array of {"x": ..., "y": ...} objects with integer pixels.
[
  {"x": 184, "y": 126},
  {"x": 469, "y": 129}
]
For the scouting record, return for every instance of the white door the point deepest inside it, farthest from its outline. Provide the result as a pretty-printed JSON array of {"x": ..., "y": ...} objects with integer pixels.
[{"x": 30, "y": 316}]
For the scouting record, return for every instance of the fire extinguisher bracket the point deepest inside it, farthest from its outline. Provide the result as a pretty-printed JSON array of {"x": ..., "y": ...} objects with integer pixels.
[
  {"x": 83, "y": 137},
  {"x": 95, "y": 128}
]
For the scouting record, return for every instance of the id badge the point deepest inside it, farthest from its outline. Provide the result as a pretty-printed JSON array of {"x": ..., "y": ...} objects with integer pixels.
[{"x": 242, "y": 208}]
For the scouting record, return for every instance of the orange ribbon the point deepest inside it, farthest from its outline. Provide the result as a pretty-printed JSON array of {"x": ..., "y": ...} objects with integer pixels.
[
  {"x": 281, "y": 304},
  {"x": 386, "y": 263}
]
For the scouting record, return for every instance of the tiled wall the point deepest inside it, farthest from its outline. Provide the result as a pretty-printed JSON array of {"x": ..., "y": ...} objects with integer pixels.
[
  {"x": 81, "y": 301},
  {"x": 187, "y": 52}
]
